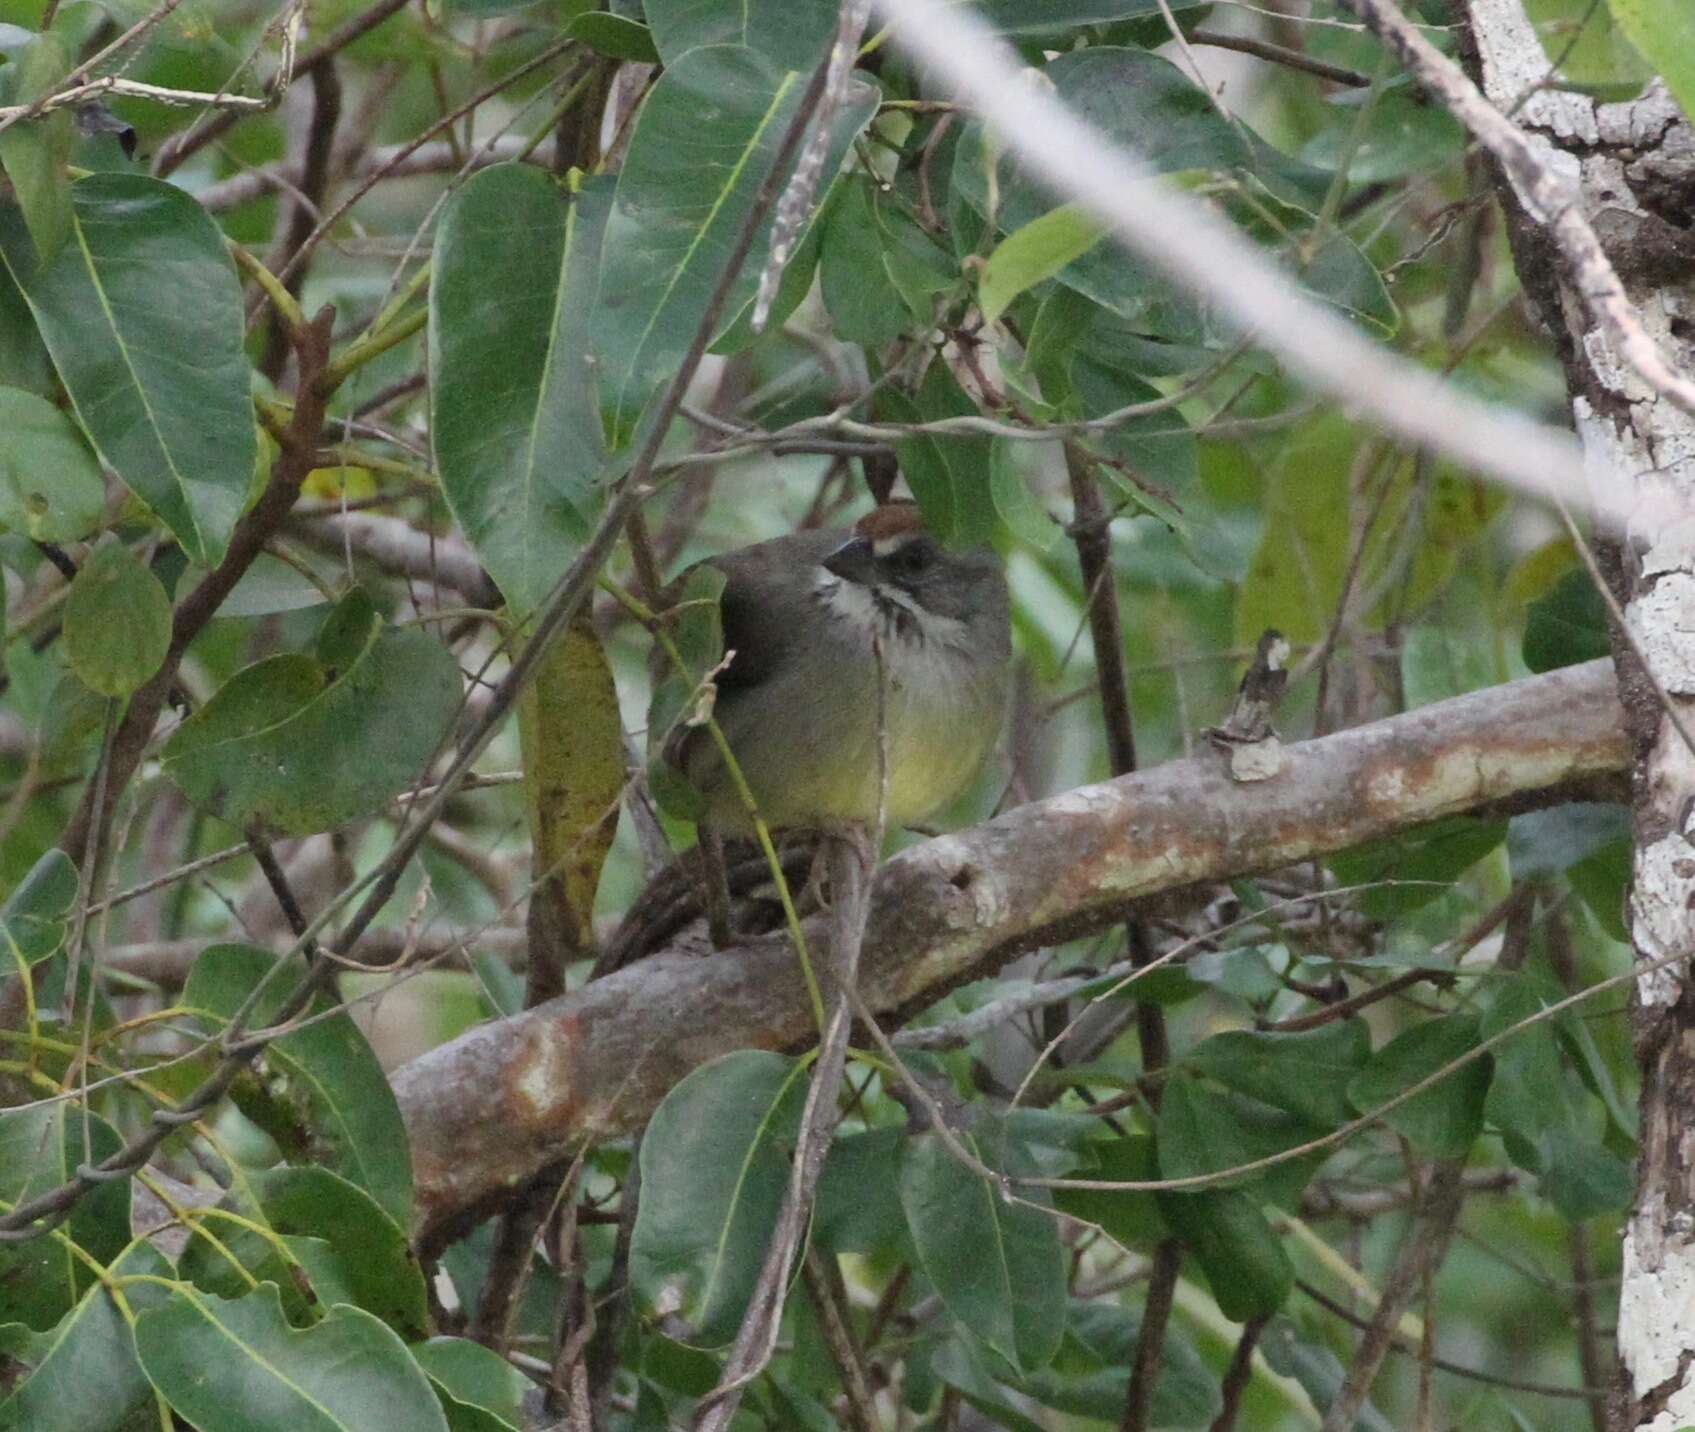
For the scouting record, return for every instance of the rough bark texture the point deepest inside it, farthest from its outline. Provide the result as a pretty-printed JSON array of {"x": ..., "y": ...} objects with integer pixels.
[
  {"x": 1634, "y": 166},
  {"x": 509, "y": 1097}
]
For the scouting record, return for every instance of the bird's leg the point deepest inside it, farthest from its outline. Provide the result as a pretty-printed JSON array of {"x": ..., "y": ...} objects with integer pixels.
[{"x": 715, "y": 881}]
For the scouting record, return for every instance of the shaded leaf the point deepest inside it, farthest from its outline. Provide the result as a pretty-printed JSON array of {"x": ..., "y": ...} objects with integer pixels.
[
  {"x": 863, "y": 302},
  {"x": 714, "y": 1165},
  {"x": 296, "y": 744},
  {"x": 1566, "y": 626},
  {"x": 1445, "y": 1119},
  {"x": 1129, "y": 1217},
  {"x": 33, "y": 152},
  {"x": 475, "y": 1375},
  {"x": 516, "y": 429},
  {"x": 40, "y": 1148},
  {"x": 117, "y": 622},
  {"x": 1414, "y": 868},
  {"x": 614, "y": 36},
  {"x": 1244, "y": 1260},
  {"x": 238, "y": 1367},
  {"x": 142, "y": 315},
  {"x": 324, "y": 1096},
  {"x": 996, "y": 1263},
  {"x": 790, "y": 33},
  {"x": 1091, "y": 1374},
  {"x": 32, "y": 921},
  {"x": 50, "y": 487},
  {"x": 1304, "y": 1074},
  {"x": 85, "y": 1377}
]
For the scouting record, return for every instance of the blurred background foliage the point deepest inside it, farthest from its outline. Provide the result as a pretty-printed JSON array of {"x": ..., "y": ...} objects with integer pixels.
[{"x": 522, "y": 283}]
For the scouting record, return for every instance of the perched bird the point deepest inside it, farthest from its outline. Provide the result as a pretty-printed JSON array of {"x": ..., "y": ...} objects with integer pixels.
[{"x": 804, "y": 618}]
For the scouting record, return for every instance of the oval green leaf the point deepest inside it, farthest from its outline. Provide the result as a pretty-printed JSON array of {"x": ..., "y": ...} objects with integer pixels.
[
  {"x": 117, "y": 622},
  {"x": 32, "y": 921},
  {"x": 714, "y": 1166},
  {"x": 790, "y": 33},
  {"x": 517, "y": 432},
  {"x": 142, "y": 315},
  {"x": 1034, "y": 252},
  {"x": 50, "y": 487},
  {"x": 239, "y": 1367},
  {"x": 296, "y": 744},
  {"x": 1446, "y": 1118}
]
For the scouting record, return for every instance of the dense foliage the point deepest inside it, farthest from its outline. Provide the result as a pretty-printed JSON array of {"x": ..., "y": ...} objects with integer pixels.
[{"x": 308, "y": 400}]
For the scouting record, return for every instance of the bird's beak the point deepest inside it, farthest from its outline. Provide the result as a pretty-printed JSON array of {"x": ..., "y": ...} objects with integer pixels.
[{"x": 853, "y": 561}]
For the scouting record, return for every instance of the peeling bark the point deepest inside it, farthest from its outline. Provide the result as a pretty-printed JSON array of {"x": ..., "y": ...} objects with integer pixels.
[
  {"x": 507, "y": 1098},
  {"x": 1633, "y": 166}
]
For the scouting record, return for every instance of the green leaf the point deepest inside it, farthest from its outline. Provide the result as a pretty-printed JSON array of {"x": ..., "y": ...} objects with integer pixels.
[
  {"x": 1318, "y": 1370},
  {"x": 34, "y": 152},
  {"x": 1091, "y": 1375},
  {"x": 143, "y": 317},
  {"x": 1402, "y": 136},
  {"x": 714, "y": 1165},
  {"x": 614, "y": 36},
  {"x": 346, "y": 1241},
  {"x": 862, "y": 300},
  {"x": 1303, "y": 1074},
  {"x": 704, "y": 142},
  {"x": 1418, "y": 866},
  {"x": 475, "y": 1376},
  {"x": 1665, "y": 35},
  {"x": 516, "y": 429},
  {"x": 1047, "y": 17},
  {"x": 1239, "y": 1251},
  {"x": 1445, "y": 1119},
  {"x": 86, "y": 1377},
  {"x": 1202, "y": 1131},
  {"x": 1541, "y": 843},
  {"x": 117, "y": 622},
  {"x": 50, "y": 487},
  {"x": 323, "y": 1097},
  {"x": 1033, "y": 253},
  {"x": 239, "y": 1367},
  {"x": 789, "y": 33},
  {"x": 858, "y": 1207},
  {"x": 996, "y": 1263},
  {"x": 949, "y": 476},
  {"x": 32, "y": 921},
  {"x": 1012, "y": 467},
  {"x": 297, "y": 744},
  {"x": 1125, "y": 1215},
  {"x": 697, "y": 630},
  {"x": 1567, "y": 626},
  {"x": 40, "y": 1148}
]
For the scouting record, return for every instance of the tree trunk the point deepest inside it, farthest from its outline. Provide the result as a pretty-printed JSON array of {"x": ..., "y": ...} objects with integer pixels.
[{"x": 1634, "y": 165}]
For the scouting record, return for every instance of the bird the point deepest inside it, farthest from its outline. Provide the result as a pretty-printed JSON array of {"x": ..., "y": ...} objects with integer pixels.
[{"x": 811, "y": 623}]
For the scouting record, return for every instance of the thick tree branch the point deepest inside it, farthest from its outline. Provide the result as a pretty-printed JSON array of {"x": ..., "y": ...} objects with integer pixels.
[{"x": 487, "y": 1110}]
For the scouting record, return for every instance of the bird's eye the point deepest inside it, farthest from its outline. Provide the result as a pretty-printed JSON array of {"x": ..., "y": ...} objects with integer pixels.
[{"x": 913, "y": 558}]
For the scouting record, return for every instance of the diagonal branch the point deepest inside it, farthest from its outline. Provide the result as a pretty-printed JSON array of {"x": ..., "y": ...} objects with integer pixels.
[{"x": 487, "y": 1110}]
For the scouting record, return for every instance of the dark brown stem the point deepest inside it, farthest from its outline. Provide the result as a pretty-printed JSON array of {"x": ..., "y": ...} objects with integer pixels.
[
  {"x": 1150, "y": 1340},
  {"x": 277, "y": 879},
  {"x": 305, "y": 208},
  {"x": 1237, "y": 1376},
  {"x": 1346, "y": 1008},
  {"x": 298, "y": 456},
  {"x": 1281, "y": 55}
]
